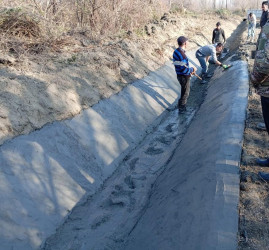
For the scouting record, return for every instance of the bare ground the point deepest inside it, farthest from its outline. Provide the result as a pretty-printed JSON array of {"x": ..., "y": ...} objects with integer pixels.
[{"x": 254, "y": 192}]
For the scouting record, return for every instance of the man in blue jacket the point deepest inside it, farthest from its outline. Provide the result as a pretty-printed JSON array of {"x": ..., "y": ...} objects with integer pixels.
[{"x": 183, "y": 71}]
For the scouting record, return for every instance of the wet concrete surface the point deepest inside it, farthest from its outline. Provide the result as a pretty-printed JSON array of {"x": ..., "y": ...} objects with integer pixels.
[
  {"x": 194, "y": 202},
  {"x": 102, "y": 165},
  {"x": 175, "y": 190},
  {"x": 112, "y": 213},
  {"x": 45, "y": 174}
]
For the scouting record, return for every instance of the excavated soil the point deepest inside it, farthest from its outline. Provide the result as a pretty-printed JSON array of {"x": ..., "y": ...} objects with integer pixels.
[{"x": 254, "y": 192}]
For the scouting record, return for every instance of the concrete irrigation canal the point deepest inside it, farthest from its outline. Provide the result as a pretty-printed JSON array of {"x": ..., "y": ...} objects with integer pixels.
[{"x": 128, "y": 173}]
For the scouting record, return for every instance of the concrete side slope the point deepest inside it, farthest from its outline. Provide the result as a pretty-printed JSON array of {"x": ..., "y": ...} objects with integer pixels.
[
  {"x": 43, "y": 175},
  {"x": 194, "y": 203}
]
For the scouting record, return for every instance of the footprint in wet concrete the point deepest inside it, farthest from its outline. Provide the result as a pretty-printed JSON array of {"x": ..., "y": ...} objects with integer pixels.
[
  {"x": 169, "y": 128},
  {"x": 119, "y": 190},
  {"x": 114, "y": 202},
  {"x": 154, "y": 151},
  {"x": 165, "y": 140},
  {"x": 133, "y": 163},
  {"x": 119, "y": 197},
  {"x": 129, "y": 182},
  {"x": 117, "y": 202},
  {"x": 118, "y": 187},
  {"x": 98, "y": 221}
]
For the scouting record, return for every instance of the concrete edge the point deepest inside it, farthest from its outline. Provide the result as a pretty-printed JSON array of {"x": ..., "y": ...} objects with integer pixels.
[{"x": 194, "y": 204}]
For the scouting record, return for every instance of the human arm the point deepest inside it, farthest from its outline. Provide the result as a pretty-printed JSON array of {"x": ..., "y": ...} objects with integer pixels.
[
  {"x": 213, "y": 36},
  {"x": 263, "y": 18},
  {"x": 223, "y": 35},
  {"x": 254, "y": 19},
  {"x": 218, "y": 63},
  {"x": 249, "y": 20},
  {"x": 213, "y": 56},
  {"x": 260, "y": 72},
  {"x": 193, "y": 69},
  {"x": 258, "y": 78}
]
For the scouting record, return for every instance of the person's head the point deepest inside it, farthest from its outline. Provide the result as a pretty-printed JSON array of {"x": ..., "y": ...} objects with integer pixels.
[
  {"x": 250, "y": 14},
  {"x": 218, "y": 25},
  {"x": 265, "y": 5},
  {"x": 182, "y": 41},
  {"x": 219, "y": 47}
]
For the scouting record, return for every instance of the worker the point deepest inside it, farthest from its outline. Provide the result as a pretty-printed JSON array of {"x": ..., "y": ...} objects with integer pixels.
[
  {"x": 183, "y": 71},
  {"x": 264, "y": 16},
  {"x": 251, "y": 27},
  {"x": 263, "y": 19},
  {"x": 260, "y": 80},
  {"x": 204, "y": 53},
  {"x": 218, "y": 34}
]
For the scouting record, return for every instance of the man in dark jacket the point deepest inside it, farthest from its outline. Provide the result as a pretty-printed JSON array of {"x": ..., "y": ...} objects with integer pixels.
[
  {"x": 183, "y": 71},
  {"x": 263, "y": 19},
  {"x": 218, "y": 34},
  {"x": 264, "y": 16}
]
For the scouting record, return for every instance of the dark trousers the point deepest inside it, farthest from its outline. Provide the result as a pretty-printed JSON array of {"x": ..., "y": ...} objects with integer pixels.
[
  {"x": 265, "y": 111},
  {"x": 258, "y": 40},
  {"x": 185, "y": 89}
]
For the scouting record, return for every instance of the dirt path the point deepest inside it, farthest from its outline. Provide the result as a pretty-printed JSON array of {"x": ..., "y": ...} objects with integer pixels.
[{"x": 254, "y": 195}]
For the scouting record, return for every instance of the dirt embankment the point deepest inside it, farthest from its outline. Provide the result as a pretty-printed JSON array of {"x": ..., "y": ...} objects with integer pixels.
[
  {"x": 42, "y": 88},
  {"x": 254, "y": 192}
]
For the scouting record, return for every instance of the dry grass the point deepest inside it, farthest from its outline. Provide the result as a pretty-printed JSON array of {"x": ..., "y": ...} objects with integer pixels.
[
  {"x": 19, "y": 24},
  {"x": 35, "y": 26}
]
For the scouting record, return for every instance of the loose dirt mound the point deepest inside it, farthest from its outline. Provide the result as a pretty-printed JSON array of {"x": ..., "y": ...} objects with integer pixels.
[{"x": 254, "y": 195}]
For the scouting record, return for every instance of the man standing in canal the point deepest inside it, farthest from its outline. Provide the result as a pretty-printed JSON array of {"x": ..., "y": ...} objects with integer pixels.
[
  {"x": 183, "y": 71},
  {"x": 251, "y": 26}
]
